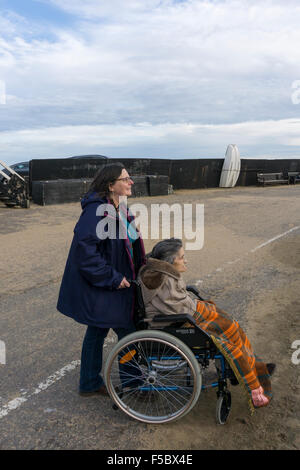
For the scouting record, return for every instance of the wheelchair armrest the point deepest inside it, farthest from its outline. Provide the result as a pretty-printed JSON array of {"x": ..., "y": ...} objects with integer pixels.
[
  {"x": 177, "y": 318},
  {"x": 195, "y": 291}
]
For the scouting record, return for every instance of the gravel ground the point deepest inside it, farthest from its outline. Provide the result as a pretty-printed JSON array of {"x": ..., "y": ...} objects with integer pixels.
[{"x": 246, "y": 265}]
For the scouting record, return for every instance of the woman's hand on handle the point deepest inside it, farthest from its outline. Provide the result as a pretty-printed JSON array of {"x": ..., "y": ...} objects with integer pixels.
[{"x": 124, "y": 283}]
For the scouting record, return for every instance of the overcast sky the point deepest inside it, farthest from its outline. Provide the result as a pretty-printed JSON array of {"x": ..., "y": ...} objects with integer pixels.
[{"x": 149, "y": 78}]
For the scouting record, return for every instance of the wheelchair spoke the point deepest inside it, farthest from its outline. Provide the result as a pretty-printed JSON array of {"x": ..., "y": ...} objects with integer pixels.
[
  {"x": 172, "y": 398},
  {"x": 152, "y": 385},
  {"x": 174, "y": 391},
  {"x": 170, "y": 383}
]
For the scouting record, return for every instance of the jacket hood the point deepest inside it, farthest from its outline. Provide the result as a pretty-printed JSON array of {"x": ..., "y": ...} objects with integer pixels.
[
  {"x": 159, "y": 266},
  {"x": 153, "y": 275},
  {"x": 92, "y": 197}
]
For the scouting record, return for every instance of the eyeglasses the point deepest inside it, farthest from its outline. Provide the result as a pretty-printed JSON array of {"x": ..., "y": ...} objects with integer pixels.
[{"x": 126, "y": 179}]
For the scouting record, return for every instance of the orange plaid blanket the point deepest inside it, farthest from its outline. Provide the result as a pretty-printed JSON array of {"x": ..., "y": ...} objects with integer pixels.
[{"x": 233, "y": 343}]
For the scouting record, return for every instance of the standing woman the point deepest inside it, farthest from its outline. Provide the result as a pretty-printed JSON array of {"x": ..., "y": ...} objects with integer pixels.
[{"x": 95, "y": 290}]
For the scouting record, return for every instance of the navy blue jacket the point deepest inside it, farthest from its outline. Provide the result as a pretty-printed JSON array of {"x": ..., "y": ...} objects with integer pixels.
[{"x": 95, "y": 268}]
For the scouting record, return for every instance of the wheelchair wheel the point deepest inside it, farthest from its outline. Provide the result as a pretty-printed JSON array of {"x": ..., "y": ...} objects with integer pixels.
[
  {"x": 223, "y": 407},
  {"x": 153, "y": 376}
]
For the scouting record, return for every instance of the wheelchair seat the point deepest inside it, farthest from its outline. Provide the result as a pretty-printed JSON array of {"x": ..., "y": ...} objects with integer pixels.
[{"x": 193, "y": 336}]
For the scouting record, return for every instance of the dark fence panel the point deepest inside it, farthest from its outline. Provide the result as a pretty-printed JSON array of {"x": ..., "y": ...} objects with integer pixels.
[
  {"x": 146, "y": 166},
  {"x": 250, "y": 167},
  {"x": 192, "y": 174},
  {"x": 76, "y": 168},
  {"x": 182, "y": 174},
  {"x": 64, "y": 168}
]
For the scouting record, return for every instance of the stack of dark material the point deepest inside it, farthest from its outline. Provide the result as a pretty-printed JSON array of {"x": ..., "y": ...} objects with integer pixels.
[
  {"x": 158, "y": 185},
  {"x": 72, "y": 190},
  {"x": 150, "y": 185},
  {"x": 57, "y": 181},
  {"x": 140, "y": 186},
  {"x": 59, "y": 191}
]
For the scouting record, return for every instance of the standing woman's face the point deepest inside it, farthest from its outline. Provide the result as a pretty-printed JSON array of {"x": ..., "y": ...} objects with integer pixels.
[{"x": 122, "y": 186}]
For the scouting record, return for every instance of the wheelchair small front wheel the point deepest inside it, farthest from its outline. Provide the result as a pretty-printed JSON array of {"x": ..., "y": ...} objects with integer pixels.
[
  {"x": 146, "y": 376},
  {"x": 223, "y": 407}
]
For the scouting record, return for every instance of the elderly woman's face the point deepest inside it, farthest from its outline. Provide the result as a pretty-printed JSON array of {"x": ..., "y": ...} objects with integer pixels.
[
  {"x": 180, "y": 261},
  {"x": 122, "y": 186}
]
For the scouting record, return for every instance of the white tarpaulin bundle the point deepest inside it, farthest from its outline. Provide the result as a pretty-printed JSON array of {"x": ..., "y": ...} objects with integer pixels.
[{"x": 231, "y": 167}]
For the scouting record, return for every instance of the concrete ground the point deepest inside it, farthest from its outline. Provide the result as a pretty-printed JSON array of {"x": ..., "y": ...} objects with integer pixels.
[{"x": 249, "y": 265}]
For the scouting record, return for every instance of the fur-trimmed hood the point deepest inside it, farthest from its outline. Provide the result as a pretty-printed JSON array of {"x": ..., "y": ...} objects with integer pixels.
[
  {"x": 164, "y": 290},
  {"x": 152, "y": 274}
]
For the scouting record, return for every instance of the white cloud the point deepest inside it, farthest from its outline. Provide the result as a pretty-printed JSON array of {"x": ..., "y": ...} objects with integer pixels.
[
  {"x": 158, "y": 61},
  {"x": 110, "y": 140},
  {"x": 92, "y": 9}
]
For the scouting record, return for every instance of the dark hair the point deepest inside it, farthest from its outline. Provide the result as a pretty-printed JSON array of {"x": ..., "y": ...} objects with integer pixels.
[
  {"x": 166, "y": 250},
  {"x": 106, "y": 176}
]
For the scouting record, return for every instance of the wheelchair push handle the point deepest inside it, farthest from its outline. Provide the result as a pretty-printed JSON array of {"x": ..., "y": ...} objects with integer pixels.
[
  {"x": 133, "y": 281},
  {"x": 125, "y": 285},
  {"x": 195, "y": 291}
]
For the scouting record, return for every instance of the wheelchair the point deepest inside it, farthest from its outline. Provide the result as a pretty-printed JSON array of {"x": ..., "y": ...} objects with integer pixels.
[{"x": 155, "y": 376}]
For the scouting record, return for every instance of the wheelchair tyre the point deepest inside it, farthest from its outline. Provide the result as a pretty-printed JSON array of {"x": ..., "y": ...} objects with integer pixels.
[
  {"x": 223, "y": 407},
  {"x": 154, "y": 388}
]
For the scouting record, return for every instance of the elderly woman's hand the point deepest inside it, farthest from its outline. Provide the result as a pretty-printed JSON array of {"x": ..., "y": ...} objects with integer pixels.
[{"x": 124, "y": 283}]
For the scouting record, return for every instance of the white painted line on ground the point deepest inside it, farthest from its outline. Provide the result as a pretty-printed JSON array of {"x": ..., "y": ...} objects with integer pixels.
[
  {"x": 234, "y": 261},
  {"x": 12, "y": 405},
  {"x": 273, "y": 239},
  {"x": 17, "y": 402},
  {"x": 220, "y": 269}
]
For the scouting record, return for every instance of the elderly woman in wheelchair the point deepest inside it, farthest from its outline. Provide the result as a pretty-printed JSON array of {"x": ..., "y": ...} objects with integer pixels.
[{"x": 155, "y": 374}]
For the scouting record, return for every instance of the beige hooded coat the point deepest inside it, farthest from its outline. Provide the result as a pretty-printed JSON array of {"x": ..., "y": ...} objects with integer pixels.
[{"x": 164, "y": 291}]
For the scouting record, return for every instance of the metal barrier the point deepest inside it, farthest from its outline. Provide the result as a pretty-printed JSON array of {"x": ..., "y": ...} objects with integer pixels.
[{"x": 14, "y": 189}]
